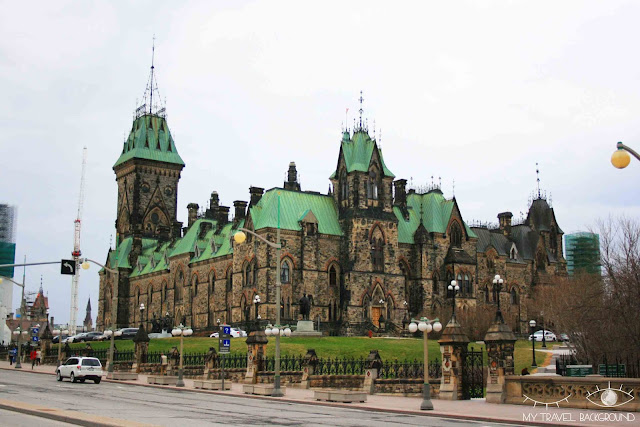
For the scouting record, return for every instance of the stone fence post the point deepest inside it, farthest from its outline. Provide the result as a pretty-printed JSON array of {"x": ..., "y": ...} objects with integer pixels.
[
  {"x": 374, "y": 363},
  {"x": 210, "y": 361},
  {"x": 452, "y": 344},
  {"x": 256, "y": 349},
  {"x": 45, "y": 341},
  {"x": 499, "y": 341},
  {"x": 174, "y": 361},
  {"x": 141, "y": 340},
  {"x": 309, "y": 368}
]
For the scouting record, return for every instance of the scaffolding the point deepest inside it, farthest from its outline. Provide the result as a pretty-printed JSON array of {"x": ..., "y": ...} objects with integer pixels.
[{"x": 583, "y": 253}]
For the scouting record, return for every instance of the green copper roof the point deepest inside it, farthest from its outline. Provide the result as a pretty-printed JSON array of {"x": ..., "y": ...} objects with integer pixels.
[
  {"x": 150, "y": 139},
  {"x": 357, "y": 151},
  {"x": 293, "y": 206},
  {"x": 436, "y": 213},
  {"x": 119, "y": 257}
]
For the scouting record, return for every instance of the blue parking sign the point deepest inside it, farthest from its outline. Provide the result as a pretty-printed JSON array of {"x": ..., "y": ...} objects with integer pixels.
[{"x": 35, "y": 339}]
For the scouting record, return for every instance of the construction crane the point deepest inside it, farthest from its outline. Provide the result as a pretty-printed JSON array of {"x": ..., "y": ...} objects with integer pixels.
[{"x": 76, "y": 250}]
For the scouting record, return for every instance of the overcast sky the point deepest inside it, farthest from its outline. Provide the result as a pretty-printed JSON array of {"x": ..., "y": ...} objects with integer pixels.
[{"x": 475, "y": 92}]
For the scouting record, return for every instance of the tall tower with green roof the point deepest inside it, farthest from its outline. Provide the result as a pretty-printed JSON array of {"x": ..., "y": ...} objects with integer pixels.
[{"x": 147, "y": 173}]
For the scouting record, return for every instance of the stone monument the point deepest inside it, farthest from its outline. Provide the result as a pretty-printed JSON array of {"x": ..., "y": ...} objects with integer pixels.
[{"x": 304, "y": 328}]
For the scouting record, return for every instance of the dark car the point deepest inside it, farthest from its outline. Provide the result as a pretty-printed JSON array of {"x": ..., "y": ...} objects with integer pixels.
[
  {"x": 127, "y": 333},
  {"x": 56, "y": 338},
  {"x": 92, "y": 336}
]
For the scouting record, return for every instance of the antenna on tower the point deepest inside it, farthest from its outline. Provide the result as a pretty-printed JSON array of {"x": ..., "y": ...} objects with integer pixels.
[
  {"x": 361, "y": 110},
  {"x": 153, "y": 55},
  {"x": 538, "y": 178}
]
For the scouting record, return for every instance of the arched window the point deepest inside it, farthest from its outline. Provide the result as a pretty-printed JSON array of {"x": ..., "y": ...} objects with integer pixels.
[
  {"x": 372, "y": 186},
  {"x": 285, "y": 273},
  {"x": 333, "y": 276},
  {"x": 178, "y": 287},
  {"x": 513, "y": 254},
  {"x": 107, "y": 300},
  {"x": 514, "y": 296},
  {"x": 344, "y": 186},
  {"x": 212, "y": 283},
  {"x": 377, "y": 254},
  {"x": 467, "y": 285},
  {"x": 229, "y": 285},
  {"x": 365, "y": 307},
  {"x": 491, "y": 264},
  {"x": 194, "y": 285},
  {"x": 455, "y": 235},
  {"x": 436, "y": 284},
  {"x": 250, "y": 273},
  {"x": 541, "y": 261},
  {"x": 486, "y": 294}
]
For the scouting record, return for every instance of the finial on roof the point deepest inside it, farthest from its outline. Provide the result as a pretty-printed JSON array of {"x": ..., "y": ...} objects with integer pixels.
[
  {"x": 440, "y": 181},
  {"x": 346, "y": 118},
  {"x": 152, "y": 87},
  {"x": 538, "y": 178},
  {"x": 153, "y": 54},
  {"x": 454, "y": 187},
  {"x": 361, "y": 110},
  {"x": 374, "y": 128},
  {"x": 41, "y": 291},
  {"x": 431, "y": 180}
]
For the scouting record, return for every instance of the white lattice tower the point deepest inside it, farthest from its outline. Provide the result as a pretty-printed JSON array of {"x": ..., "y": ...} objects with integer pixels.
[{"x": 73, "y": 314}]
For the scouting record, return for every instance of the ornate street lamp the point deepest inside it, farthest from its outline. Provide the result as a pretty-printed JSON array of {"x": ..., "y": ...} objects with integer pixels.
[
  {"x": 239, "y": 238},
  {"x": 620, "y": 158},
  {"x": 425, "y": 326},
  {"x": 256, "y": 301},
  {"x": 497, "y": 284},
  {"x": 278, "y": 331},
  {"x": 454, "y": 288},
  {"x": 532, "y": 325},
  {"x": 181, "y": 331}
]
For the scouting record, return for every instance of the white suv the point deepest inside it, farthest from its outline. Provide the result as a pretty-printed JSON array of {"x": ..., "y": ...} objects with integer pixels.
[{"x": 80, "y": 369}]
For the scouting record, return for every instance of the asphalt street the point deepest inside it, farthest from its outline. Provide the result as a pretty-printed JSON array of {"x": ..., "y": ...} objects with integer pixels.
[
  {"x": 167, "y": 407},
  {"x": 16, "y": 419}
]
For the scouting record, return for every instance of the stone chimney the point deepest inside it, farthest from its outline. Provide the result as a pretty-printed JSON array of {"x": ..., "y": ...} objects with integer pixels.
[
  {"x": 163, "y": 232},
  {"x": 256, "y": 195},
  {"x": 240, "y": 210},
  {"x": 223, "y": 215},
  {"x": 400, "y": 186},
  {"x": 215, "y": 200},
  {"x": 292, "y": 178},
  {"x": 193, "y": 213},
  {"x": 505, "y": 223}
]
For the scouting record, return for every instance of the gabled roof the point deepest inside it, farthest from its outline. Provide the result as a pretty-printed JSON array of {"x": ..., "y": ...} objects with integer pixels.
[
  {"x": 358, "y": 150},
  {"x": 490, "y": 239},
  {"x": 150, "y": 139},
  {"x": 293, "y": 207},
  {"x": 435, "y": 211}
]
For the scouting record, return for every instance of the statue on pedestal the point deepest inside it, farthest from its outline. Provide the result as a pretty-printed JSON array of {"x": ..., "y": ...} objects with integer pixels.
[{"x": 305, "y": 307}]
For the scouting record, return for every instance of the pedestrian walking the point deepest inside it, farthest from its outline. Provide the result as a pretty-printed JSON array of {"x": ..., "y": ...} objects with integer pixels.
[
  {"x": 32, "y": 356},
  {"x": 38, "y": 357},
  {"x": 13, "y": 351}
]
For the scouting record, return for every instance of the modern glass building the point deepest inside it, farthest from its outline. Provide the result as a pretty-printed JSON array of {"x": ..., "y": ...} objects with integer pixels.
[{"x": 582, "y": 251}]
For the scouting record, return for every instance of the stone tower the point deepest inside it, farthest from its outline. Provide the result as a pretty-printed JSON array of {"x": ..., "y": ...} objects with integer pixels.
[{"x": 88, "y": 322}]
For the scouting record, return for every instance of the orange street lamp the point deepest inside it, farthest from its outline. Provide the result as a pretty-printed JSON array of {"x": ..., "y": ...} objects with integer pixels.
[{"x": 620, "y": 158}]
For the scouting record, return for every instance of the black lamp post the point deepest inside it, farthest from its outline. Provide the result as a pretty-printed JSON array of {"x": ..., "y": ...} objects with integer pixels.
[
  {"x": 256, "y": 301},
  {"x": 454, "y": 288},
  {"x": 497, "y": 284},
  {"x": 532, "y": 324}
]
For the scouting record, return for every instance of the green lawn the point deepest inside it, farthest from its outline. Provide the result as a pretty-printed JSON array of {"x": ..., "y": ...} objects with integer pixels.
[{"x": 330, "y": 347}]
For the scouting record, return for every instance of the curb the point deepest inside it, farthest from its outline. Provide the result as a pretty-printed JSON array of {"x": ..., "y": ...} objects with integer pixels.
[
  {"x": 432, "y": 414},
  {"x": 76, "y": 418}
]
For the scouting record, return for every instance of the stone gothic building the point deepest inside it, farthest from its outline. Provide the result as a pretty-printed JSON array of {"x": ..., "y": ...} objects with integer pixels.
[{"x": 370, "y": 253}]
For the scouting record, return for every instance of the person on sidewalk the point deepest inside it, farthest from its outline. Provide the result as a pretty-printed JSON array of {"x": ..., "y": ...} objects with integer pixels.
[
  {"x": 13, "y": 352},
  {"x": 38, "y": 357},
  {"x": 32, "y": 356}
]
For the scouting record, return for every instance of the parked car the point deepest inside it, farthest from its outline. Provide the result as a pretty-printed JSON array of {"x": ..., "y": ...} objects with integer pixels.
[
  {"x": 75, "y": 338},
  {"x": 127, "y": 333},
  {"x": 563, "y": 337},
  {"x": 235, "y": 333},
  {"x": 80, "y": 369},
  {"x": 56, "y": 338},
  {"x": 92, "y": 336},
  {"x": 548, "y": 336},
  {"x": 101, "y": 337}
]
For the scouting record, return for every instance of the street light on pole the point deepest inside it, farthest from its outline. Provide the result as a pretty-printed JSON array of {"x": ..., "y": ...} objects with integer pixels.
[
  {"x": 181, "y": 331},
  {"x": 620, "y": 158},
  {"x": 454, "y": 288},
  {"x": 532, "y": 324},
  {"x": 425, "y": 326},
  {"x": 19, "y": 332},
  {"x": 256, "y": 301},
  {"x": 497, "y": 283},
  {"x": 239, "y": 238},
  {"x": 114, "y": 299}
]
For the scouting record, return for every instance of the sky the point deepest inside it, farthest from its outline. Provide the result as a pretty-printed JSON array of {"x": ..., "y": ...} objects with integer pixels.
[{"x": 472, "y": 92}]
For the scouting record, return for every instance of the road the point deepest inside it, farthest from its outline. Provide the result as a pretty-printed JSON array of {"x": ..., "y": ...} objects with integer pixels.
[{"x": 166, "y": 407}]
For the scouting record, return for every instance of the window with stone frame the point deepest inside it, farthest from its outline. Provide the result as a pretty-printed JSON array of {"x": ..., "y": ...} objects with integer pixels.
[
  {"x": 460, "y": 284},
  {"x": 491, "y": 264},
  {"x": 212, "y": 283},
  {"x": 377, "y": 254},
  {"x": 333, "y": 276},
  {"x": 178, "y": 288},
  {"x": 541, "y": 261},
  {"x": 107, "y": 299},
  {"x": 344, "y": 186},
  {"x": 514, "y": 296},
  {"x": 467, "y": 287},
  {"x": 404, "y": 270},
  {"x": 229, "y": 280},
  {"x": 372, "y": 185},
  {"x": 455, "y": 235},
  {"x": 486, "y": 294},
  {"x": 285, "y": 272},
  {"x": 435, "y": 284},
  {"x": 194, "y": 285},
  {"x": 250, "y": 273}
]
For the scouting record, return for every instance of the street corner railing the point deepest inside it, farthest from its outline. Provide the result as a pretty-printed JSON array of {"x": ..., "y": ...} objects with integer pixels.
[{"x": 409, "y": 369}]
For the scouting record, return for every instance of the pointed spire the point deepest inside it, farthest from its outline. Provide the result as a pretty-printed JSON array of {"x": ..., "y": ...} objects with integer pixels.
[
  {"x": 41, "y": 291},
  {"x": 538, "y": 179},
  {"x": 361, "y": 110}
]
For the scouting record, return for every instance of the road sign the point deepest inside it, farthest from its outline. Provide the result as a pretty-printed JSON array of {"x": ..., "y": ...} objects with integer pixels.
[
  {"x": 224, "y": 345},
  {"x": 68, "y": 266},
  {"x": 35, "y": 339},
  {"x": 226, "y": 330},
  {"x": 35, "y": 330}
]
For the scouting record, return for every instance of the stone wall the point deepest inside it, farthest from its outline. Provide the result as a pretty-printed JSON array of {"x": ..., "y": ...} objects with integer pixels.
[
  {"x": 406, "y": 386},
  {"x": 572, "y": 392},
  {"x": 292, "y": 377},
  {"x": 349, "y": 382}
]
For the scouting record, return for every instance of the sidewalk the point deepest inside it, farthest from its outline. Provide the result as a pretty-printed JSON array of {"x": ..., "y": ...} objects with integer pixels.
[{"x": 476, "y": 409}]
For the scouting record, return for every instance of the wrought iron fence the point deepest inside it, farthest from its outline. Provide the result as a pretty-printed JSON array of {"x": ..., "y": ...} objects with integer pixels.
[
  {"x": 234, "y": 361},
  {"x": 154, "y": 357},
  {"x": 123, "y": 356},
  {"x": 287, "y": 363},
  {"x": 409, "y": 369},
  {"x": 193, "y": 359},
  {"x": 345, "y": 366}
]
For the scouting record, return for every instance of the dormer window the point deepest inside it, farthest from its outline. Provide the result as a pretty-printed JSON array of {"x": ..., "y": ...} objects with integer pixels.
[
  {"x": 455, "y": 235},
  {"x": 197, "y": 252},
  {"x": 513, "y": 254}
]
